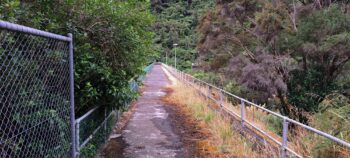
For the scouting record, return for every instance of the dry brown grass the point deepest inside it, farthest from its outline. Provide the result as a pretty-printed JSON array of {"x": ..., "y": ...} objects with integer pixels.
[
  {"x": 301, "y": 140},
  {"x": 223, "y": 139}
]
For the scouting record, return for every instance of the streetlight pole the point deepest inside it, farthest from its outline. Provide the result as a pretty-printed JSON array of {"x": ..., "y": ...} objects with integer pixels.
[{"x": 175, "y": 44}]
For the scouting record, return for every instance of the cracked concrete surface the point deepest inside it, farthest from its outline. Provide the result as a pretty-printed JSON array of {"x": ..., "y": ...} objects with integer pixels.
[{"x": 149, "y": 134}]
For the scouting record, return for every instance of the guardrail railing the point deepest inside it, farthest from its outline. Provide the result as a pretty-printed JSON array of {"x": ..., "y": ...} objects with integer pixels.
[
  {"x": 219, "y": 96},
  {"x": 92, "y": 128}
]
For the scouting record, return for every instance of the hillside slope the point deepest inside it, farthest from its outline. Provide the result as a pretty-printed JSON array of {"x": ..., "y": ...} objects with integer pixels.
[
  {"x": 176, "y": 23},
  {"x": 278, "y": 51},
  {"x": 290, "y": 56}
]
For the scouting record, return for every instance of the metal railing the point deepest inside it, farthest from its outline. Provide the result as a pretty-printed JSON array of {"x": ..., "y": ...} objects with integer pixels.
[
  {"x": 36, "y": 93},
  {"x": 207, "y": 89},
  {"x": 92, "y": 129}
]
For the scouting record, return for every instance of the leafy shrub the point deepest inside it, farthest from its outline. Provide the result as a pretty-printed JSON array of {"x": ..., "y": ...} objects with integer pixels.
[
  {"x": 274, "y": 124},
  {"x": 209, "y": 77},
  {"x": 323, "y": 55},
  {"x": 110, "y": 47},
  {"x": 112, "y": 44},
  {"x": 233, "y": 87},
  {"x": 333, "y": 118}
]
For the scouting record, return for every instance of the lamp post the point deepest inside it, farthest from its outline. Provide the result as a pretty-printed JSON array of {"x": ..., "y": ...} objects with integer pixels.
[{"x": 175, "y": 44}]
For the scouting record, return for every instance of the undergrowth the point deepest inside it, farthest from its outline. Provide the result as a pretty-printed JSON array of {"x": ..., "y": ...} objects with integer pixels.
[{"x": 223, "y": 138}]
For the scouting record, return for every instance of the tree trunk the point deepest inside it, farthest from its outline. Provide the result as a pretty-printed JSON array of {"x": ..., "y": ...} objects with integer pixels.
[{"x": 283, "y": 109}]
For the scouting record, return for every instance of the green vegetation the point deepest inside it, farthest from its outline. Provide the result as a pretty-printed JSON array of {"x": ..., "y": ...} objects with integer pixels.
[
  {"x": 112, "y": 42},
  {"x": 291, "y": 56},
  {"x": 333, "y": 118},
  {"x": 288, "y": 54},
  {"x": 176, "y": 23}
]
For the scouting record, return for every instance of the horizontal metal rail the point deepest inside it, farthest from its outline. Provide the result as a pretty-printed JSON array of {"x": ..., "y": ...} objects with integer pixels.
[
  {"x": 77, "y": 131},
  {"x": 78, "y": 121},
  {"x": 86, "y": 115},
  {"x": 96, "y": 130},
  {"x": 80, "y": 145},
  {"x": 189, "y": 79},
  {"x": 35, "y": 32}
]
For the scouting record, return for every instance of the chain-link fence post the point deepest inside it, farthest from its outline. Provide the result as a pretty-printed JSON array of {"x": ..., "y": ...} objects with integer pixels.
[
  {"x": 77, "y": 139},
  {"x": 221, "y": 95},
  {"x": 71, "y": 94}
]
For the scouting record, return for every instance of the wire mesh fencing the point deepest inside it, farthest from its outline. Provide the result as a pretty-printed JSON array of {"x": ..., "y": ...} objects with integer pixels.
[
  {"x": 35, "y": 105},
  {"x": 37, "y": 98}
]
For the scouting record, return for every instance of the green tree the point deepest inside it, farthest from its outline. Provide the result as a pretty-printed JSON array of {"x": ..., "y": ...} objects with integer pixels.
[
  {"x": 321, "y": 46},
  {"x": 111, "y": 47},
  {"x": 176, "y": 23}
]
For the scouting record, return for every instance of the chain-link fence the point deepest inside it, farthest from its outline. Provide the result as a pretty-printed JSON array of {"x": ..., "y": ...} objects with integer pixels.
[
  {"x": 37, "y": 98},
  {"x": 35, "y": 93}
]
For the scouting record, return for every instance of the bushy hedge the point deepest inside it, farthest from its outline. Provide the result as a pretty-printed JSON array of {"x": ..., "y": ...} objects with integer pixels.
[{"x": 112, "y": 42}]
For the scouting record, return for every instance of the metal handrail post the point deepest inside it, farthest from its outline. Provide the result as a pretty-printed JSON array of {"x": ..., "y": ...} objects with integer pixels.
[
  {"x": 284, "y": 138},
  {"x": 221, "y": 99},
  {"x": 242, "y": 113},
  {"x": 209, "y": 93}
]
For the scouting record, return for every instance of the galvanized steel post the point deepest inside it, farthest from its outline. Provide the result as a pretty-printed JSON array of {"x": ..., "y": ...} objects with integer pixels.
[
  {"x": 71, "y": 94},
  {"x": 221, "y": 98},
  {"x": 284, "y": 138},
  {"x": 209, "y": 92},
  {"x": 242, "y": 113},
  {"x": 77, "y": 139}
]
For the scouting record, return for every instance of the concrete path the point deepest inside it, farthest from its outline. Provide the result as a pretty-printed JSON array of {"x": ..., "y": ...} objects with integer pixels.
[{"x": 149, "y": 134}]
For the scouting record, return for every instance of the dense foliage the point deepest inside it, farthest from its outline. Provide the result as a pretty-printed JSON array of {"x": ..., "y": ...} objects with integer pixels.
[
  {"x": 291, "y": 55},
  {"x": 112, "y": 42},
  {"x": 176, "y": 23}
]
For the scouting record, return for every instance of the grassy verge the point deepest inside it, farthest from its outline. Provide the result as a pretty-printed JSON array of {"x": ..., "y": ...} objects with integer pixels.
[
  {"x": 223, "y": 138},
  {"x": 302, "y": 141}
]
